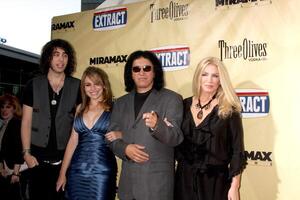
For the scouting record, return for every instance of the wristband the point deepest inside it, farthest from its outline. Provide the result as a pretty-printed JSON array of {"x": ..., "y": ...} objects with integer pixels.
[{"x": 25, "y": 151}]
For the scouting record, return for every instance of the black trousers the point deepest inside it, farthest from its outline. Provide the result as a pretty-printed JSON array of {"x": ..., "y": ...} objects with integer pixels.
[
  {"x": 42, "y": 182},
  {"x": 9, "y": 191}
]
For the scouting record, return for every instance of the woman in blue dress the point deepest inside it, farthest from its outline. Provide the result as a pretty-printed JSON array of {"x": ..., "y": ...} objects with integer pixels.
[{"x": 89, "y": 167}]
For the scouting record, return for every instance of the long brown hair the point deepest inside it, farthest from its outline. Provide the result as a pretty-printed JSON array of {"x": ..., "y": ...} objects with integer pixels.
[{"x": 97, "y": 75}]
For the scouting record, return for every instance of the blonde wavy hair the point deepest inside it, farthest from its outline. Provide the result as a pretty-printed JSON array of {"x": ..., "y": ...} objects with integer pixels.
[{"x": 226, "y": 96}]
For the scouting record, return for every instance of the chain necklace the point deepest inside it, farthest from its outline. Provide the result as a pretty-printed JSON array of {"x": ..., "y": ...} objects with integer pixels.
[
  {"x": 205, "y": 106},
  {"x": 56, "y": 89}
]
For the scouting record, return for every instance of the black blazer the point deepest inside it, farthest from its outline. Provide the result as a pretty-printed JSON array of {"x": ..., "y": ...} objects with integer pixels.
[{"x": 11, "y": 146}]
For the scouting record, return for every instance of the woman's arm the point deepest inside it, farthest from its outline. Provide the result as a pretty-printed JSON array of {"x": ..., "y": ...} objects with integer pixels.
[
  {"x": 238, "y": 161},
  {"x": 71, "y": 146},
  {"x": 233, "y": 193},
  {"x": 113, "y": 135}
]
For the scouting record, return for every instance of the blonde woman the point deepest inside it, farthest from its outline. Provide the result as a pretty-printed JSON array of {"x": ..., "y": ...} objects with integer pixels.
[{"x": 211, "y": 157}]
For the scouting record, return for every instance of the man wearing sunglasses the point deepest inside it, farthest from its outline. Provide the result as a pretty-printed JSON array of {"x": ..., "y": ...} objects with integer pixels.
[{"x": 149, "y": 118}]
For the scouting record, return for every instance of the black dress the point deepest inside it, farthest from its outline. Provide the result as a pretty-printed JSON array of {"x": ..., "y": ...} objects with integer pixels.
[
  {"x": 210, "y": 155},
  {"x": 11, "y": 153}
]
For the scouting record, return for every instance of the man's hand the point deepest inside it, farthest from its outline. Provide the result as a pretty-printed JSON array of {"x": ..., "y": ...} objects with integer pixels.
[
  {"x": 30, "y": 160},
  {"x": 136, "y": 153},
  {"x": 150, "y": 119}
]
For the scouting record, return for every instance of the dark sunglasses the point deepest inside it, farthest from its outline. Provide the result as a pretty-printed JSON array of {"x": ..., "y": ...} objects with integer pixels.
[{"x": 146, "y": 68}]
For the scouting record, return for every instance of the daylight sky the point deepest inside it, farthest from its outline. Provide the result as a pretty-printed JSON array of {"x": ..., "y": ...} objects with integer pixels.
[{"x": 26, "y": 24}]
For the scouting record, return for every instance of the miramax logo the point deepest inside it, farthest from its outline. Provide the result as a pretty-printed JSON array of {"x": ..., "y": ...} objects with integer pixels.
[
  {"x": 227, "y": 4},
  {"x": 63, "y": 26},
  {"x": 112, "y": 59},
  {"x": 259, "y": 158}
]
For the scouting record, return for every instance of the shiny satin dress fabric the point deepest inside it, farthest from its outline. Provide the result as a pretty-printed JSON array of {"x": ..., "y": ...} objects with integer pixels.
[{"x": 92, "y": 172}]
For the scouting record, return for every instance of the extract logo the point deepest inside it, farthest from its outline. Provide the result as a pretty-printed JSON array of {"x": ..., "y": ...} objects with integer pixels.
[
  {"x": 255, "y": 102},
  {"x": 173, "y": 57},
  {"x": 110, "y": 19}
]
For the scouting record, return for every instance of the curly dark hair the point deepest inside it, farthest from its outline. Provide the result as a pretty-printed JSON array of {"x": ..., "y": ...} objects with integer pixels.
[
  {"x": 158, "y": 81},
  {"x": 47, "y": 51}
]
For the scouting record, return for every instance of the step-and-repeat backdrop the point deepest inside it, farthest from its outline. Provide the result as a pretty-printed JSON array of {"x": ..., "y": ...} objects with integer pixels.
[{"x": 259, "y": 42}]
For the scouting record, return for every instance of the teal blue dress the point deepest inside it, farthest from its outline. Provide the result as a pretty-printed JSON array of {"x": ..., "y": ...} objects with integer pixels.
[{"x": 93, "y": 168}]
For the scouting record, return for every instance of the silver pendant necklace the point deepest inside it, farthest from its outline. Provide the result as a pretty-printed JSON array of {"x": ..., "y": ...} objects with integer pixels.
[
  {"x": 56, "y": 90},
  {"x": 53, "y": 101}
]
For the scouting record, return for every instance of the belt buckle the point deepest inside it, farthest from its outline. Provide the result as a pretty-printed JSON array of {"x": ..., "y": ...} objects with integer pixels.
[{"x": 52, "y": 163}]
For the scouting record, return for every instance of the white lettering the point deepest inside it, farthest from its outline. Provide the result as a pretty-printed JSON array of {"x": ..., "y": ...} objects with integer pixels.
[
  {"x": 253, "y": 104},
  {"x": 170, "y": 59},
  {"x": 110, "y": 19}
]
